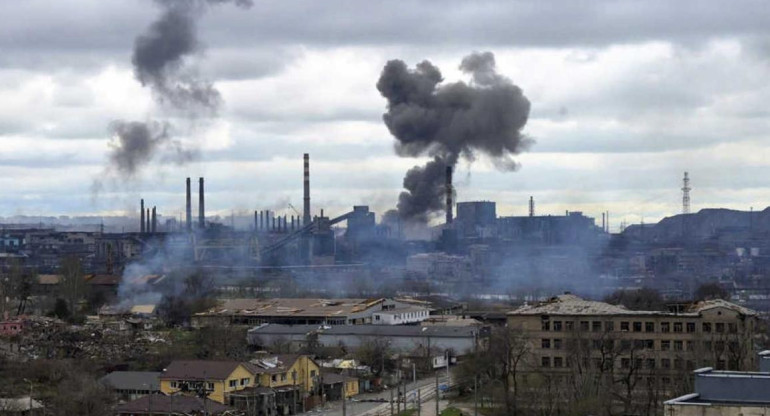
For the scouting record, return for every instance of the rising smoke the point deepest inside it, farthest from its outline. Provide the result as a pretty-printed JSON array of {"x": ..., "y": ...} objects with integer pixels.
[
  {"x": 450, "y": 121},
  {"x": 160, "y": 63}
]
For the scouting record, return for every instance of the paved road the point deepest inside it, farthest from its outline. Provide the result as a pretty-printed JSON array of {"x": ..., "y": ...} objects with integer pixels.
[{"x": 360, "y": 407}]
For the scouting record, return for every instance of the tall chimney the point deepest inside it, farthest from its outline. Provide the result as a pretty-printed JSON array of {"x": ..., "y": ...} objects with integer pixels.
[
  {"x": 531, "y": 206},
  {"x": 604, "y": 223},
  {"x": 201, "y": 207},
  {"x": 189, "y": 206},
  {"x": 154, "y": 221},
  {"x": 147, "y": 221},
  {"x": 141, "y": 220},
  {"x": 256, "y": 220},
  {"x": 448, "y": 191},
  {"x": 306, "y": 182},
  {"x": 261, "y": 220}
]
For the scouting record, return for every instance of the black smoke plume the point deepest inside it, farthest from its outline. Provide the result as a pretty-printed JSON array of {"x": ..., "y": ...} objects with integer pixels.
[
  {"x": 450, "y": 121},
  {"x": 160, "y": 60}
]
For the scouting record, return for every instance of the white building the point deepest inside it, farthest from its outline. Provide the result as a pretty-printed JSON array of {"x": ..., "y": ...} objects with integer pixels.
[{"x": 400, "y": 316}]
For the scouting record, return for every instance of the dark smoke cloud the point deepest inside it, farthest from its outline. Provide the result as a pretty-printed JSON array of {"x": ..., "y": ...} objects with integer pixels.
[
  {"x": 450, "y": 121},
  {"x": 160, "y": 63},
  {"x": 159, "y": 57},
  {"x": 134, "y": 144}
]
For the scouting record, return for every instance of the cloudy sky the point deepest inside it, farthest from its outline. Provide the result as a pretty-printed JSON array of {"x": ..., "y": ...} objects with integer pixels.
[{"x": 626, "y": 96}]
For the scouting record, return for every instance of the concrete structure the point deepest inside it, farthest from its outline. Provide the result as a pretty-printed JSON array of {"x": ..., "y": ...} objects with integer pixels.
[
  {"x": 21, "y": 406},
  {"x": 724, "y": 393},
  {"x": 709, "y": 333},
  {"x": 294, "y": 311},
  {"x": 404, "y": 338}
]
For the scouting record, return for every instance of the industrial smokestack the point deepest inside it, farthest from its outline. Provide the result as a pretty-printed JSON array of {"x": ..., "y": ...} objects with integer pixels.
[
  {"x": 189, "y": 206},
  {"x": 531, "y": 206},
  {"x": 147, "y": 220},
  {"x": 141, "y": 220},
  {"x": 604, "y": 223},
  {"x": 154, "y": 221},
  {"x": 448, "y": 190},
  {"x": 256, "y": 220},
  {"x": 201, "y": 207},
  {"x": 306, "y": 187}
]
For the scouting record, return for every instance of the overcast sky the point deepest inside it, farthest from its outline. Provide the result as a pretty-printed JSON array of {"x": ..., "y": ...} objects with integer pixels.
[{"x": 626, "y": 96}]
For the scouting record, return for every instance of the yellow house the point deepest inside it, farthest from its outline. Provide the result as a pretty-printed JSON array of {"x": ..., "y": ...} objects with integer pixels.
[
  {"x": 335, "y": 385},
  {"x": 218, "y": 378},
  {"x": 287, "y": 370}
]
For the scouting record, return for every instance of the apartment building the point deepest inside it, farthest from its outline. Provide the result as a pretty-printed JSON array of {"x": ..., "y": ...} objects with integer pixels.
[{"x": 566, "y": 331}]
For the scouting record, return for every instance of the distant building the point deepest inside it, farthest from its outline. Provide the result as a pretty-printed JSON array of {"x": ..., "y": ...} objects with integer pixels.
[
  {"x": 401, "y": 316},
  {"x": 570, "y": 229},
  {"x": 295, "y": 311},
  {"x": 724, "y": 393},
  {"x": 21, "y": 406},
  {"x": 404, "y": 338},
  {"x": 476, "y": 219}
]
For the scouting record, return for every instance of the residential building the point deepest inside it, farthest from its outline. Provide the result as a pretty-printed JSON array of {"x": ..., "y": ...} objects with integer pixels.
[
  {"x": 216, "y": 378},
  {"x": 337, "y": 385},
  {"x": 724, "y": 393},
  {"x": 131, "y": 385},
  {"x": 566, "y": 328}
]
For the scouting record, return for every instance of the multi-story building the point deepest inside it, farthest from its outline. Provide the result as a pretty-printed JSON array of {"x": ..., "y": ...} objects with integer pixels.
[{"x": 566, "y": 329}]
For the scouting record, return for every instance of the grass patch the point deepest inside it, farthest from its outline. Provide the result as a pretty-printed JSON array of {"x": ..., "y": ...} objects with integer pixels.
[{"x": 451, "y": 411}]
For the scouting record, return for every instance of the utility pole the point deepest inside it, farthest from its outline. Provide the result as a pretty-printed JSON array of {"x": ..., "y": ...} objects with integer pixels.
[
  {"x": 476, "y": 395},
  {"x": 437, "y": 412},
  {"x": 419, "y": 402},
  {"x": 391, "y": 402}
]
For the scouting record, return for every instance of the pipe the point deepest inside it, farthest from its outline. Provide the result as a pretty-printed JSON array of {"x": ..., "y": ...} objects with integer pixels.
[
  {"x": 141, "y": 213},
  {"x": 306, "y": 189},
  {"x": 189, "y": 206},
  {"x": 448, "y": 191},
  {"x": 201, "y": 207}
]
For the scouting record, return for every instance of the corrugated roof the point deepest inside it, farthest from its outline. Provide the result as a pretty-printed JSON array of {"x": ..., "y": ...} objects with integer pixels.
[
  {"x": 292, "y": 307},
  {"x": 369, "y": 330},
  {"x": 171, "y": 404}
]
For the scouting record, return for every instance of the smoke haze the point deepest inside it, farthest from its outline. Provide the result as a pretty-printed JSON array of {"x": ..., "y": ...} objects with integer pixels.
[{"x": 449, "y": 121}]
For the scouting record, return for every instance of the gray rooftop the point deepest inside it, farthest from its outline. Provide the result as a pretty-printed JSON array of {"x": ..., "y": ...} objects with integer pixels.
[
  {"x": 728, "y": 387},
  {"x": 132, "y": 380}
]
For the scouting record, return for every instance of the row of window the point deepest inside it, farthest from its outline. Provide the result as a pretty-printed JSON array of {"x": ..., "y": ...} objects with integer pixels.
[
  {"x": 637, "y": 344},
  {"x": 638, "y": 363},
  {"x": 638, "y": 326}
]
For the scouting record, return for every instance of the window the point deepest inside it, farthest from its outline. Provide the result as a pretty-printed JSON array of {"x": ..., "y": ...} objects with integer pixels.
[
  {"x": 665, "y": 363},
  {"x": 691, "y": 327},
  {"x": 625, "y": 344},
  {"x": 558, "y": 362},
  {"x": 624, "y": 326},
  {"x": 690, "y": 346},
  {"x": 707, "y": 345},
  {"x": 720, "y": 364},
  {"x": 273, "y": 378},
  {"x": 690, "y": 365},
  {"x": 665, "y": 345},
  {"x": 245, "y": 381},
  {"x": 557, "y": 344},
  {"x": 649, "y": 344},
  {"x": 557, "y": 325},
  {"x": 545, "y": 362},
  {"x": 650, "y": 363},
  {"x": 609, "y": 326},
  {"x": 649, "y": 327},
  {"x": 638, "y": 344},
  {"x": 312, "y": 373},
  {"x": 665, "y": 327},
  {"x": 233, "y": 383},
  {"x": 596, "y": 326},
  {"x": 707, "y": 327},
  {"x": 678, "y": 364},
  {"x": 210, "y": 386},
  {"x": 283, "y": 376},
  {"x": 677, "y": 327},
  {"x": 720, "y": 327},
  {"x": 732, "y": 328},
  {"x": 625, "y": 363},
  {"x": 569, "y": 325},
  {"x": 678, "y": 346},
  {"x": 545, "y": 343},
  {"x": 596, "y": 344},
  {"x": 545, "y": 325},
  {"x": 173, "y": 384},
  {"x": 637, "y": 327},
  {"x": 584, "y": 325}
]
